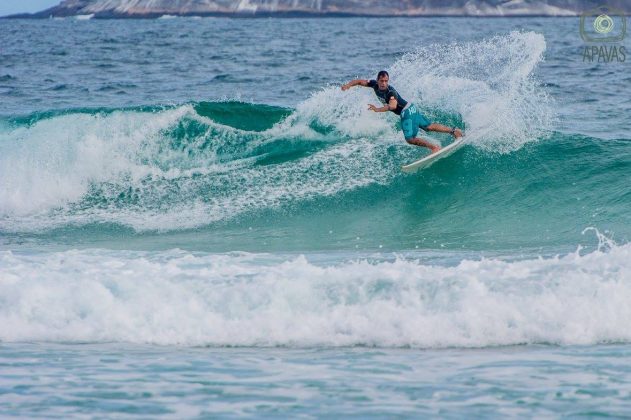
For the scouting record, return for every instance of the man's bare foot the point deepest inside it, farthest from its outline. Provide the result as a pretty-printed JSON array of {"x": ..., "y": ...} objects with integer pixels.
[
  {"x": 435, "y": 149},
  {"x": 457, "y": 133}
]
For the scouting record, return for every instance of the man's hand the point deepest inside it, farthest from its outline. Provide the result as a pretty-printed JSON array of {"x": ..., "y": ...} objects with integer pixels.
[
  {"x": 371, "y": 107},
  {"x": 346, "y": 87}
]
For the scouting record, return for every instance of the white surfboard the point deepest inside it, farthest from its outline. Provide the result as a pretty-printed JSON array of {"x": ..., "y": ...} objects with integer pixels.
[{"x": 427, "y": 161}]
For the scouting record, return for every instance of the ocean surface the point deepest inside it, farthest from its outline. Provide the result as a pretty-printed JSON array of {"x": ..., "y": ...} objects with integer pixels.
[{"x": 195, "y": 221}]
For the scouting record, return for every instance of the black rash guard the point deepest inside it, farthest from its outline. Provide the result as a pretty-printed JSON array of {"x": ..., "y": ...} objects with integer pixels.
[{"x": 385, "y": 96}]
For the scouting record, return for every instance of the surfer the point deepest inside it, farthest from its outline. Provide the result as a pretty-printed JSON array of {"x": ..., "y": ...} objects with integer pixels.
[{"x": 411, "y": 118}]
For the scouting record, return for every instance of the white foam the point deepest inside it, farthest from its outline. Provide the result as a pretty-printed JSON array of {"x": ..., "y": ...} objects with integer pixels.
[
  {"x": 54, "y": 162},
  {"x": 345, "y": 112},
  {"x": 490, "y": 83},
  {"x": 177, "y": 297}
]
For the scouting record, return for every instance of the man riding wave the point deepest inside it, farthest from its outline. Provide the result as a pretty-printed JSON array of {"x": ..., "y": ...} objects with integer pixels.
[{"x": 411, "y": 118}]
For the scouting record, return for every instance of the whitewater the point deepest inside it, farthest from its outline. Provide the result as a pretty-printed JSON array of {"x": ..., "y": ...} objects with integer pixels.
[
  {"x": 177, "y": 297},
  {"x": 197, "y": 202}
]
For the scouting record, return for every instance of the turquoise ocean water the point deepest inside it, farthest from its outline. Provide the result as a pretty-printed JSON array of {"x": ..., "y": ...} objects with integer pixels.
[{"x": 195, "y": 221}]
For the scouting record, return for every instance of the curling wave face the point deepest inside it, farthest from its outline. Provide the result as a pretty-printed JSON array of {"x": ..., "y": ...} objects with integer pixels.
[{"x": 329, "y": 162}]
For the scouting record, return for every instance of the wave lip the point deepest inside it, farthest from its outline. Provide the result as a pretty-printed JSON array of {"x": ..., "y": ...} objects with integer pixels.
[{"x": 244, "y": 299}]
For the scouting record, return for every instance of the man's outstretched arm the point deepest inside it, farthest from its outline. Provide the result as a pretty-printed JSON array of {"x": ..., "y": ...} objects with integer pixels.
[{"x": 356, "y": 82}]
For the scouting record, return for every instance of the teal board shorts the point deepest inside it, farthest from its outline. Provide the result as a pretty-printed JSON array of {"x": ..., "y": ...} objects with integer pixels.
[{"x": 411, "y": 120}]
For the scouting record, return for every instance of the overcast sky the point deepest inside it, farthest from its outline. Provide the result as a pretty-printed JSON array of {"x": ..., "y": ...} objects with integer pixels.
[{"x": 9, "y": 7}]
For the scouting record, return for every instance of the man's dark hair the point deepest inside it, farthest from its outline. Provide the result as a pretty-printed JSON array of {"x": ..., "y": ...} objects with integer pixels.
[{"x": 382, "y": 73}]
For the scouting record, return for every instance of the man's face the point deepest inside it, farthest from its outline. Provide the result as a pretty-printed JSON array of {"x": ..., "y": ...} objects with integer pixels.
[{"x": 382, "y": 82}]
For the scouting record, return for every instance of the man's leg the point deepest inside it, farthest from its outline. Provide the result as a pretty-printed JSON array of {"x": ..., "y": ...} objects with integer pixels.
[
  {"x": 411, "y": 120},
  {"x": 443, "y": 129},
  {"x": 423, "y": 143}
]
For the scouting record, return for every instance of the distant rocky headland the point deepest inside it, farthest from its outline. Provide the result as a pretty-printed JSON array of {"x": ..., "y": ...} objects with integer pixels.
[{"x": 253, "y": 8}]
